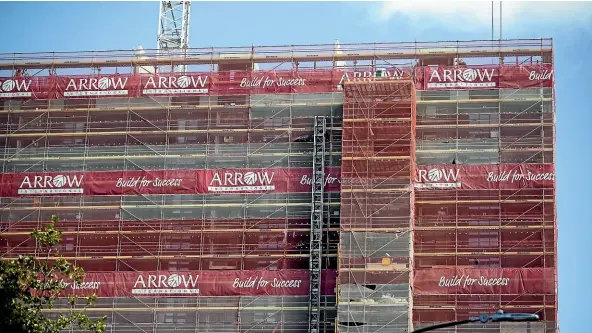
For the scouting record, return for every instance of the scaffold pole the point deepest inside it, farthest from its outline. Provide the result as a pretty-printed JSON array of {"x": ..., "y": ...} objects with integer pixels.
[{"x": 316, "y": 224}]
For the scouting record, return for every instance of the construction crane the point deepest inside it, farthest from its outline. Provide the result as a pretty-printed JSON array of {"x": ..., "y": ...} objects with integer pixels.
[{"x": 173, "y": 30}]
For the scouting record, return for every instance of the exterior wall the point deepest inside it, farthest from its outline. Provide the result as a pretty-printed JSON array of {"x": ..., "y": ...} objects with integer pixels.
[
  {"x": 376, "y": 208},
  {"x": 479, "y": 230},
  {"x": 207, "y": 314},
  {"x": 178, "y": 232},
  {"x": 390, "y": 241}
]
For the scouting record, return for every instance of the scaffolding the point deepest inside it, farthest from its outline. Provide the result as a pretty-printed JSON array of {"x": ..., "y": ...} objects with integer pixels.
[
  {"x": 316, "y": 224},
  {"x": 302, "y": 56},
  {"x": 493, "y": 228},
  {"x": 376, "y": 205},
  {"x": 380, "y": 231},
  {"x": 180, "y": 232}
]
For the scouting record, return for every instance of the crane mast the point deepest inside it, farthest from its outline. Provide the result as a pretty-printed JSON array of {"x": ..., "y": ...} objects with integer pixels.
[{"x": 173, "y": 30}]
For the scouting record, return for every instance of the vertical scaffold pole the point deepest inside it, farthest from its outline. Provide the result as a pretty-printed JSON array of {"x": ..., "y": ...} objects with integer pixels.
[{"x": 316, "y": 224}]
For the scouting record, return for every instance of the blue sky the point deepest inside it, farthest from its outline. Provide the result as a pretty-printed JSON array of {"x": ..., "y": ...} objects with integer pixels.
[{"x": 72, "y": 26}]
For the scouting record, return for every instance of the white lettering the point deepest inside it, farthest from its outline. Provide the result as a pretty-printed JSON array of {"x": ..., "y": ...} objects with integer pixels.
[
  {"x": 216, "y": 179},
  {"x": 88, "y": 285},
  {"x": 248, "y": 283},
  {"x": 140, "y": 182},
  {"x": 435, "y": 75},
  {"x": 58, "y": 181},
  {"x": 95, "y": 84},
  {"x": 286, "y": 284},
  {"x": 150, "y": 83},
  {"x": 15, "y": 88},
  {"x": 166, "y": 281},
  {"x": 452, "y": 175},
  {"x": 466, "y": 281},
  {"x": 162, "y": 281},
  {"x": 483, "y": 281},
  {"x": 200, "y": 81},
  {"x": 152, "y": 281},
  {"x": 120, "y": 83},
  {"x": 189, "y": 281},
  {"x": 540, "y": 76},
  {"x": 94, "y": 285},
  {"x": 307, "y": 180},
  {"x": 462, "y": 75},
  {"x": 140, "y": 280},
  {"x": 132, "y": 182},
  {"x": 394, "y": 74},
  {"x": 254, "y": 83},
  {"x": 485, "y": 75},
  {"x": 172, "y": 82},
  {"x": 162, "y": 82},
  {"x": 167, "y": 182},
  {"x": 437, "y": 175},
  {"x": 249, "y": 178},
  {"x": 451, "y": 282},
  {"x": 265, "y": 81},
  {"x": 259, "y": 282},
  {"x": 22, "y": 85},
  {"x": 290, "y": 82},
  {"x": 503, "y": 176},
  {"x": 516, "y": 176}
]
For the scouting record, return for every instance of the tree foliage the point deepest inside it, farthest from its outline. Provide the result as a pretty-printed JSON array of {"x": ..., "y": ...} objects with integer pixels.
[{"x": 30, "y": 284}]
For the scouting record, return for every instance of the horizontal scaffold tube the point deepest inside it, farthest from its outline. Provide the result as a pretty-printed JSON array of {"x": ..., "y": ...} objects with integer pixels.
[{"x": 277, "y": 54}]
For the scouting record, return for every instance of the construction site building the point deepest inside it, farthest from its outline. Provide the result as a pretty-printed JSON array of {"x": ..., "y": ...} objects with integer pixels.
[{"x": 370, "y": 188}]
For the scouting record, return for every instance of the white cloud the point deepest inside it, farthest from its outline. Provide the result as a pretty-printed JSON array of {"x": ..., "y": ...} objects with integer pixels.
[{"x": 471, "y": 15}]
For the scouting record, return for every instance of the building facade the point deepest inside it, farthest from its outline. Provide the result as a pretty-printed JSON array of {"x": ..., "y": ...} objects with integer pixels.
[{"x": 381, "y": 188}]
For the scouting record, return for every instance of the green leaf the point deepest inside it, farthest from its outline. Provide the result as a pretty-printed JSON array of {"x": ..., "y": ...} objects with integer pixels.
[{"x": 30, "y": 284}]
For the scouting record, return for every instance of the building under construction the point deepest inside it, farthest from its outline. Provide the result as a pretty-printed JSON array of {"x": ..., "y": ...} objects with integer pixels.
[{"x": 370, "y": 188}]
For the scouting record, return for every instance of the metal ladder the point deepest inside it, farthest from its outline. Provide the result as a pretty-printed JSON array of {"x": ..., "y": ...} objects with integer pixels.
[{"x": 316, "y": 225}]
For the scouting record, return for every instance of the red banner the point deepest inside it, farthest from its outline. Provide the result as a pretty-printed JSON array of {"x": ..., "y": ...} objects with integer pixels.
[
  {"x": 200, "y": 283},
  {"x": 515, "y": 281},
  {"x": 488, "y": 77},
  {"x": 266, "y": 82},
  {"x": 165, "y": 182},
  {"x": 27, "y": 88},
  {"x": 526, "y": 76},
  {"x": 476, "y": 177}
]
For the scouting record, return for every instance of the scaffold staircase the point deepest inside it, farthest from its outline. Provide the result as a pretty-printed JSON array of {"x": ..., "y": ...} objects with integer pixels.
[{"x": 316, "y": 224}]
